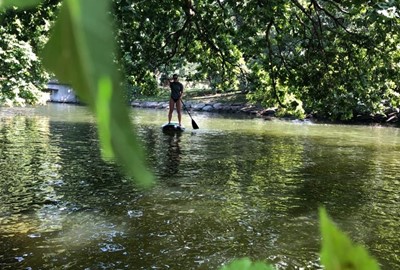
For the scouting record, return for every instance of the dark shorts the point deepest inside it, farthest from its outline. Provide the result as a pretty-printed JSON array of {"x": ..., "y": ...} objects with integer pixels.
[{"x": 175, "y": 99}]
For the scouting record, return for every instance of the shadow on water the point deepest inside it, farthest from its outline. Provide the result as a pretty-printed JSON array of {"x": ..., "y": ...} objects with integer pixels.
[{"x": 221, "y": 194}]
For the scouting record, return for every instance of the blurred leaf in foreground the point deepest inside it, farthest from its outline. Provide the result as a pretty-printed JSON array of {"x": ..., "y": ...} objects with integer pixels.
[
  {"x": 246, "y": 264},
  {"x": 338, "y": 252},
  {"x": 80, "y": 52}
]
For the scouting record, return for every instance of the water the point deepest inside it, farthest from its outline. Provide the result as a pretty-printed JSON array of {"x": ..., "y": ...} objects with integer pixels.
[{"x": 235, "y": 187}]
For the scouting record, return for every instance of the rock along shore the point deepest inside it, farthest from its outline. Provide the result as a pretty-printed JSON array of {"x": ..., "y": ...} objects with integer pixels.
[{"x": 212, "y": 107}]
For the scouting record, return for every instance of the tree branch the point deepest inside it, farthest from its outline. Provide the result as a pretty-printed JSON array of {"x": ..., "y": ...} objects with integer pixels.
[{"x": 271, "y": 68}]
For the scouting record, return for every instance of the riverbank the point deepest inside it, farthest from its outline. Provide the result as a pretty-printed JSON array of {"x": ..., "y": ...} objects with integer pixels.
[
  {"x": 230, "y": 103},
  {"x": 236, "y": 103}
]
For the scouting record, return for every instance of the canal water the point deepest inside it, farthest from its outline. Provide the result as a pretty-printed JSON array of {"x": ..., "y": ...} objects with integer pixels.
[{"x": 236, "y": 187}]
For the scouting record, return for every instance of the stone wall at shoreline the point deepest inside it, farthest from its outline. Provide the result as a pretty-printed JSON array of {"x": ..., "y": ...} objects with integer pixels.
[{"x": 211, "y": 107}]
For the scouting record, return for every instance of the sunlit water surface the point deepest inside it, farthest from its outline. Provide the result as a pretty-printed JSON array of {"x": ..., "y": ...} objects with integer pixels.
[{"x": 236, "y": 187}]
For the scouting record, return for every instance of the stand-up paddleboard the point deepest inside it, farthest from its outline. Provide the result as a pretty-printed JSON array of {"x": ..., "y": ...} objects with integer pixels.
[{"x": 172, "y": 127}]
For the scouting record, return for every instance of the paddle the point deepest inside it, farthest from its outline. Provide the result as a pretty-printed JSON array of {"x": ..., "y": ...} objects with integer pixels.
[{"x": 194, "y": 125}]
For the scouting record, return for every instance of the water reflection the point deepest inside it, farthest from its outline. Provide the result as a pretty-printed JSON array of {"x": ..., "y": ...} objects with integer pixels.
[
  {"x": 228, "y": 190},
  {"x": 165, "y": 154},
  {"x": 172, "y": 153}
]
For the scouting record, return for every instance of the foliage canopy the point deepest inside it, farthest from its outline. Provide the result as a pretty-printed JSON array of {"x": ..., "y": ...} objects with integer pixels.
[{"x": 335, "y": 59}]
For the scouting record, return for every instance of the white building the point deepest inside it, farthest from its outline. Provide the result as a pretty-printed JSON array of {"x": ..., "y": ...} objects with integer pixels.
[{"x": 61, "y": 93}]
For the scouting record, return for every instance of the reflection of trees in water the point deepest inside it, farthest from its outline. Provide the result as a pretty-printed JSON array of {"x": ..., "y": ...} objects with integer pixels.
[
  {"x": 25, "y": 148},
  {"x": 355, "y": 183},
  {"x": 274, "y": 185},
  {"x": 284, "y": 174},
  {"x": 90, "y": 182},
  {"x": 334, "y": 176},
  {"x": 250, "y": 172},
  {"x": 270, "y": 181},
  {"x": 29, "y": 171}
]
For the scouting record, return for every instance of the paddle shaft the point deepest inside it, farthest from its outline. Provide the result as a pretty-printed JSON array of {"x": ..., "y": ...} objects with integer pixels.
[{"x": 194, "y": 125}]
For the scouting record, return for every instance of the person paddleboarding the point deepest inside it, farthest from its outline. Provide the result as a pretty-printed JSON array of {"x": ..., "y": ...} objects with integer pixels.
[{"x": 175, "y": 98}]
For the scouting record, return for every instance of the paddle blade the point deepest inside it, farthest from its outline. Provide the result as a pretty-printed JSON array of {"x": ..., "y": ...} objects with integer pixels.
[{"x": 194, "y": 125}]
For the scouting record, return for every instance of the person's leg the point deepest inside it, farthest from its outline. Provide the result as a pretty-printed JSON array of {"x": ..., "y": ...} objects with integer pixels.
[
  {"x": 179, "y": 110},
  {"x": 171, "y": 109}
]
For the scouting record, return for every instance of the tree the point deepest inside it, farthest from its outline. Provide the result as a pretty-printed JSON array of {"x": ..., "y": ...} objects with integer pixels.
[{"x": 22, "y": 34}]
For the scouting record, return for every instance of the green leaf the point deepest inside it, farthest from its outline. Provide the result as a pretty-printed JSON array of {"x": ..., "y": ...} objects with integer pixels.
[
  {"x": 80, "y": 52},
  {"x": 246, "y": 264},
  {"x": 18, "y": 3},
  {"x": 338, "y": 252},
  {"x": 103, "y": 116}
]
